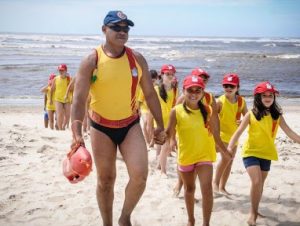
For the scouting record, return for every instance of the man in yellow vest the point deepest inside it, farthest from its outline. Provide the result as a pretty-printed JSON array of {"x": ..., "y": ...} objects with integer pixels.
[{"x": 111, "y": 73}]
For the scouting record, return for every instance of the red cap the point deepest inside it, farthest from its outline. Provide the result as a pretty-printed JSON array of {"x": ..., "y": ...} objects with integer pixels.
[
  {"x": 62, "y": 67},
  {"x": 264, "y": 87},
  {"x": 167, "y": 67},
  {"x": 192, "y": 80},
  {"x": 199, "y": 72},
  {"x": 232, "y": 79}
]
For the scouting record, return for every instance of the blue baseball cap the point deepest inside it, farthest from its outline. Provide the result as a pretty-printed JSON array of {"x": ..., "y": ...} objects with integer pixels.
[{"x": 114, "y": 17}]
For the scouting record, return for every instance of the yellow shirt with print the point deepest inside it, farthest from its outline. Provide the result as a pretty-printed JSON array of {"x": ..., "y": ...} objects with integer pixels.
[{"x": 111, "y": 91}]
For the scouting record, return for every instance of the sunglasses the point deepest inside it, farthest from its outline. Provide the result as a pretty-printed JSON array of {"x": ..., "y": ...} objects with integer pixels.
[
  {"x": 194, "y": 91},
  {"x": 118, "y": 28},
  {"x": 229, "y": 86}
]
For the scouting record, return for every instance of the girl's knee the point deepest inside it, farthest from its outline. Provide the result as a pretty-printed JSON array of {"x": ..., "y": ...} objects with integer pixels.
[{"x": 189, "y": 188}]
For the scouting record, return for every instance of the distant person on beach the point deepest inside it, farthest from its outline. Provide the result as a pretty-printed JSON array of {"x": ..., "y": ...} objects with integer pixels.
[
  {"x": 111, "y": 73},
  {"x": 147, "y": 121},
  {"x": 62, "y": 105},
  {"x": 259, "y": 148},
  {"x": 208, "y": 99},
  {"x": 167, "y": 96},
  {"x": 230, "y": 107},
  {"x": 49, "y": 107},
  {"x": 196, "y": 146}
]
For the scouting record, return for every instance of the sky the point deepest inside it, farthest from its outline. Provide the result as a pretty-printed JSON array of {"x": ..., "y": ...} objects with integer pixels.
[{"x": 217, "y": 18}]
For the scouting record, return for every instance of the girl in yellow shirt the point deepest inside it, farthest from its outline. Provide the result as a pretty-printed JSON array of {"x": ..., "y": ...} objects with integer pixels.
[
  {"x": 147, "y": 122},
  {"x": 196, "y": 145},
  {"x": 50, "y": 107},
  {"x": 259, "y": 148},
  {"x": 167, "y": 96},
  {"x": 230, "y": 106},
  {"x": 208, "y": 99}
]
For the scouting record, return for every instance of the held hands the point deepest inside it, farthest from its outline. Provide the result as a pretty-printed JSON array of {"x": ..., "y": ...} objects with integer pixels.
[
  {"x": 159, "y": 136},
  {"x": 228, "y": 154}
]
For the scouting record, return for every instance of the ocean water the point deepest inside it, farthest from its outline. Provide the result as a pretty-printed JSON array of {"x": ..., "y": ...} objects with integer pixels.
[{"x": 26, "y": 60}]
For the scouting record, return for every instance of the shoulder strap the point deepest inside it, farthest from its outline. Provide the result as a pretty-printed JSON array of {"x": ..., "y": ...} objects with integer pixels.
[
  {"x": 208, "y": 110},
  {"x": 207, "y": 98},
  {"x": 239, "y": 110},
  {"x": 174, "y": 96},
  {"x": 134, "y": 76}
]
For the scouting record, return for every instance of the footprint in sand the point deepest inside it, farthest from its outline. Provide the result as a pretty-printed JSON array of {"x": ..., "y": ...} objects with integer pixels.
[
  {"x": 45, "y": 149},
  {"x": 30, "y": 212},
  {"x": 49, "y": 138},
  {"x": 88, "y": 210},
  {"x": 56, "y": 199}
]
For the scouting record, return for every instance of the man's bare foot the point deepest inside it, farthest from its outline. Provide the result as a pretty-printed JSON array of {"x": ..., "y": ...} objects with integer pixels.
[
  {"x": 124, "y": 221},
  {"x": 223, "y": 191}
]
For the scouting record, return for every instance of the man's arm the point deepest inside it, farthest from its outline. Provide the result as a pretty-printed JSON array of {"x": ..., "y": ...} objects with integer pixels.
[
  {"x": 151, "y": 97},
  {"x": 81, "y": 91}
]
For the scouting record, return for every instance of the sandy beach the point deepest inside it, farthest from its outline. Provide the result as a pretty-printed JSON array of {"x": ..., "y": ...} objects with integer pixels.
[{"x": 33, "y": 190}]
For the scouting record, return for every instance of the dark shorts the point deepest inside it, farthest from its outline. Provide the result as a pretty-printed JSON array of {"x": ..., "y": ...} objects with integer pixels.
[
  {"x": 117, "y": 135},
  {"x": 254, "y": 161}
]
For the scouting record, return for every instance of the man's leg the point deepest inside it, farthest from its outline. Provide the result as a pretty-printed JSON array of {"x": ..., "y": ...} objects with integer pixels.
[
  {"x": 104, "y": 151},
  {"x": 134, "y": 152}
]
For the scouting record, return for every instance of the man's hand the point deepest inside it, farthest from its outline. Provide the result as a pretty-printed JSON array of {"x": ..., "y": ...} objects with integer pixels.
[
  {"x": 159, "y": 135},
  {"x": 77, "y": 141}
]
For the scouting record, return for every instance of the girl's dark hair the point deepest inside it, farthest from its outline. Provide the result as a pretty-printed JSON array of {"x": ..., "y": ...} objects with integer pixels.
[
  {"x": 202, "y": 110},
  {"x": 153, "y": 74},
  {"x": 162, "y": 92},
  {"x": 259, "y": 110},
  {"x": 238, "y": 92}
]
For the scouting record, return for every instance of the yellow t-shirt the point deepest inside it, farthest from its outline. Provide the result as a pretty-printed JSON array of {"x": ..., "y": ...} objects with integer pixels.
[
  {"x": 141, "y": 99},
  {"x": 260, "y": 142},
  {"x": 111, "y": 92},
  {"x": 166, "y": 106},
  {"x": 61, "y": 85},
  {"x": 49, "y": 107},
  {"x": 227, "y": 117},
  {"x": 195, "y": 142}
]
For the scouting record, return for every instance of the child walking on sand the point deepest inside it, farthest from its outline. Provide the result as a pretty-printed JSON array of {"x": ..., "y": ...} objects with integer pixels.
[
  {"x": 208, "y": 99},
  {"x": 259, "y": 148},
  {"x": 49, "y": 107},
  {"x": 230, "y": 106},
  {"x": 167, "y": 96},
  {"x": 196, "y": 147}
]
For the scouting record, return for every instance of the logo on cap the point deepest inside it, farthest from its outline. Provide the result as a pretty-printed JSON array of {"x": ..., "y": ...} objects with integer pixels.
[
  {"x": 194, "y": 79},
  {"x": 229, "y": 79},
  {"x": 121, "y": 15},
  {"x": 269, "y": 86}
]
